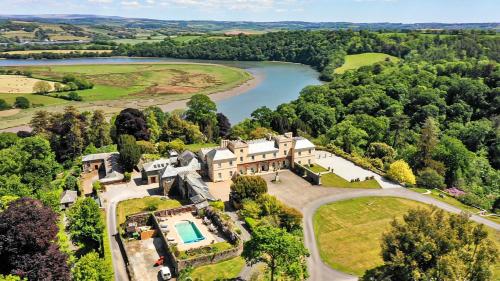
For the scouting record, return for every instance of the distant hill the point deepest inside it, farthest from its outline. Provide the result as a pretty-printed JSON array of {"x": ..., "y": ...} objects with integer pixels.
[{"x": 222, "y": 26}]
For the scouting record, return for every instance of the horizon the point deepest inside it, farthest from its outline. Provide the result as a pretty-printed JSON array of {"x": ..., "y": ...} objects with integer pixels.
[
  {"x": 316, "y": 11},
  {"x": 57, "y": 16}
]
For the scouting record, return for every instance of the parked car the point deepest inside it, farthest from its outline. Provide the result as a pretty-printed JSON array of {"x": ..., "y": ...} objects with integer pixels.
[{"x": 165, "y": 273}]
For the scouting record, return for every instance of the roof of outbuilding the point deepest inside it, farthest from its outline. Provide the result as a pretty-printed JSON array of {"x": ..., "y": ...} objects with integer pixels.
[
  {"x": 69, "y": 196},
  {"x": 186, "y": 155},
  {"x": 156, "y": 165},
  {"x": 97, "y": 156}
]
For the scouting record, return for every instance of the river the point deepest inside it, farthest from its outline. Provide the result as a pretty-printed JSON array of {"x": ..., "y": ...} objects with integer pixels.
[{"x": 279, "y": 82}]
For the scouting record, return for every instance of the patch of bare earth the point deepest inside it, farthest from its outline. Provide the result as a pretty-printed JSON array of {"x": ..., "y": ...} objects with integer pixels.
[
  {"x": 18, "y": 84},
  {"x": 9, "y": 112}
]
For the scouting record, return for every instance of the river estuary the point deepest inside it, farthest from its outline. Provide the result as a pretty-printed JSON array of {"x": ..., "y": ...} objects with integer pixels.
[{"x": 278, "y": 82}]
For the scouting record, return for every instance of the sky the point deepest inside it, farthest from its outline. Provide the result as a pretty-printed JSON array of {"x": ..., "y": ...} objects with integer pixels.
[{"x": 405, "y": 11}]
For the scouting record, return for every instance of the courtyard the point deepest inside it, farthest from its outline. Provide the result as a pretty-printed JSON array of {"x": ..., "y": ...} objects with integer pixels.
[{"x": 142, "y": 255}]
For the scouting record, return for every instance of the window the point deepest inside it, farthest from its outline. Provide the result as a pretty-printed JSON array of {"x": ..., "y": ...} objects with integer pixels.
[
  {"x": 274, "y": 154},
  {"x": 285, "y": 144},
  {"x": 241, "y": 159},
  {"x": 300, "y": 153},
  {"x": 309, "y": 161},
  {"x": 230, "y": 163},
  {"x": 253, "y": 157},
  {"x": 284, "y": 152},
  {"x": 241, "y": 150},
  {"x": 220, "y": 175},
  {"x": 284, "y": 163},
  {"x": 300, "y": 162},
  {"x": 241, "y": 172},
  {"x": 251, "y": 170},
  {"x": 219, "y": 165},
  {"x": 264, "y": 156},
  {"x": 230, "y": 173}
]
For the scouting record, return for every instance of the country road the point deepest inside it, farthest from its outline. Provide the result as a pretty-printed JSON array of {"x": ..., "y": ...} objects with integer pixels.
[{"x": 298, "y": 193}]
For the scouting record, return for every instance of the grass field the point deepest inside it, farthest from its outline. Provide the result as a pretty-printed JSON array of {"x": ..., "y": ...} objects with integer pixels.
[
  {"x": 18, "y": 84},
  {"x": 317, "y": 168},
  {"x": 120, "y": 85},
  {"x": 225, "y": 270},
  {"x": 357, "y": 61},
  {"x": 333, "y": 180},
  {"x": 55, "y": 51},
  {"x": 133, "y": 206},
  {"x": 349, "y": 232}
]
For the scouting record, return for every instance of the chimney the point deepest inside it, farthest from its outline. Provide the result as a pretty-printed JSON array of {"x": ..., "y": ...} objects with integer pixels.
[{"x": 224, "y": 143}]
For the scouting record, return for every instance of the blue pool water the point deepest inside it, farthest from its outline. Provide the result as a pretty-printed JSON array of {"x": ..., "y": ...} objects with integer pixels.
[{"x": 188, "y": 232}]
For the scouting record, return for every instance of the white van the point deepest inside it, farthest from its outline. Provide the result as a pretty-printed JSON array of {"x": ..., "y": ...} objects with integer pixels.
[{"x": 165, "y": 273}]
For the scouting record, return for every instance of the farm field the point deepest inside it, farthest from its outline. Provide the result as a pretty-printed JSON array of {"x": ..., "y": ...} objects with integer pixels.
[
  {"x": 349, "y": 232},
  {"x": 359, "y": 60},
  {"x": 120, "y": 85},
  {"x": 18, "y": 84},
  {"x": 54, "y": 51}
]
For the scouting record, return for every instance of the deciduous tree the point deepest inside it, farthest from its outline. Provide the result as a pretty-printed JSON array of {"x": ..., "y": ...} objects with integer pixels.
[
  {"x": 91, "y": 267},
  {"x": 400, "y": 171},
  {"x": 247, "y": 187},
  {"x": 85, "y": 224},
  {"x": 132, "y": 122},
  {"x": 130, "y": 153}
]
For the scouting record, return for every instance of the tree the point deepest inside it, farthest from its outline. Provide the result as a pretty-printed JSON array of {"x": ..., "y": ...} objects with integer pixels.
[
  {"x": 69, "y": 134},
  {"x": 347, "y": 136},
  {"x": 91, "y": 267},
  {"x": 262, "y": 115},
  {"x": 429, "y": 244},
  {"x": 99, "y": 133},
  {"x": 7, "y": 139},
  {"x": 202, "y": 111},
  {"x": 42, "y": 87},
  {"x": 381, "y": 150},
  {"x": 153, "y": 127},
  {"x": 429, "y": 178},
  {"x": 456, "y": 157},
  {"x": 427, "y": 143},
  {"x": 260, "y": 133},
  {"x": 71, "y": 183},
  {"x": 4, "y": 105},
  {"x": 247, "y": 187},
  {"x": 132, "y": 122},
  {"x": 223, "y": 125},
  {"x": 22, "y": 102},
  {"x": 130, "y": 153},
  {"x": 165, "y": 147},
  {"x": 28, "y": 242},
  {"x": 400, "y": 171},
  {"x": 40, "y": 122},
  {"x": 85, "y": 223},
  {"x": 282, "y": 252}
]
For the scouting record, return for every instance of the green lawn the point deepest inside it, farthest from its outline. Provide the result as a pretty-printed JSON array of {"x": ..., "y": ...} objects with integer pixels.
[
  {"x": 348, "y": 233},
  {"x": 333, "y": 180},
  {"x": 359, "y": 60},
  {"x": 317, "y": 168},
  {"x": 212, "y": 248},
  {"x": 220, "y": 271},
  {"x": 195, "y": 147},
  {"x": 133, "y": 206},
  {"x": 452, "y": 201}
]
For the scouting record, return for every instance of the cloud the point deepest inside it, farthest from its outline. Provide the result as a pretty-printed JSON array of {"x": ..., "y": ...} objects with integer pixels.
[
  {"x": 231, "y": 4},
  {"x": 101, "y": 1},
  {"x": 130, "y": 4}
]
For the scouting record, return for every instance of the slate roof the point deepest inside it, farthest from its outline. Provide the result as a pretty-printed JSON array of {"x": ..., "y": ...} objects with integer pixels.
[
  {"x": 221, "y": 154},
  {"x": 261, "y": 146},
  {"x": 198, "y": 185},
  {"x": 96, "y": 156},
  {"x": 302, "y": 143},
  {"x": 156, "y": 165},
  {"x": 69, "y": 196}
]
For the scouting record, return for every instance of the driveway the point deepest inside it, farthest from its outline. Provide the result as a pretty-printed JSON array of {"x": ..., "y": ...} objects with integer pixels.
[
  {"x": 348, "y": 170},
  {"x": 296, "y": 192},
  {"x": 113, "y": 195}
]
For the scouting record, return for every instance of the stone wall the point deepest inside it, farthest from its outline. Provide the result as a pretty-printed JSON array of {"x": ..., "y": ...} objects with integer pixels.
[
  {"x": 210, "y": 258},
  {"x": 302, "y": 171}
]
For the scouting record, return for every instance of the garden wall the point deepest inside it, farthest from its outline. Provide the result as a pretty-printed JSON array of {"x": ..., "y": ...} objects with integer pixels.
[{"x": 303, "y": 171}]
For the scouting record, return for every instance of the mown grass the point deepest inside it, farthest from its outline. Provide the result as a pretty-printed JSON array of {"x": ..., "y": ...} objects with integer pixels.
[
  {"x": 348, "y": 233},
  {"x": 133, "y": 206},
  {"x": 359, "y": 60},
  {"x": 317, "y": 168},
  {"x": 333, "y": 180},
  {"x": 195, "y": 147},
  {"x": 224, "y": 270}
]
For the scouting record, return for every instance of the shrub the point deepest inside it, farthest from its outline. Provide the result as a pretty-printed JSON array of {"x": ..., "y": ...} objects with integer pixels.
[
  {"x": 152, "y": 206},
  {"x": 97, "y": 186},
  {"x": 219, "y": 205},
  {"x": 164, "y": 147},
  {"x": 429, "y": 178},
  {"x": 22, "y": 102},
  {"x": 71, "y": 183},
  {"x": 251, "y": 223},
  {"x": 127, "y": 176},
  {"x": 250, "y": 209},
  {"x": 290, "y": 218},
  {"x": 250, "y": 187},
  {"x": 400, "y": 171},
  {"x": 472, "y": 199},
  {"x": 4, "y": 105},
  {"x": 146, "y": 147},
  {"x": 42, "y": 87},
  {"x": 74, "y": 96}
]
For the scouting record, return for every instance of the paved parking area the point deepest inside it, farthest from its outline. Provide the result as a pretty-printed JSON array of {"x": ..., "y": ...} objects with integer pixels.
[
  {"x": 348, "y": 170},
  {"x": 142, "y": 256}
]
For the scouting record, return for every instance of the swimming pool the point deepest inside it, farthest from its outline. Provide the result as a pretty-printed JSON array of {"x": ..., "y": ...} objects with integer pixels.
[{"x": 189, "y": 232}]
